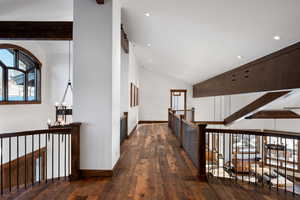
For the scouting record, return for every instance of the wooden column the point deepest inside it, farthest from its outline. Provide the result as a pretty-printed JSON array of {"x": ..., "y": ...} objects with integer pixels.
[
  {"x": 126, "y": 117},
  {"x": 75, "y": 151},
  {"x": 193, "y": 115},
  {"x": 181, "y": 130},
  {"x": 202, "y": 153}
]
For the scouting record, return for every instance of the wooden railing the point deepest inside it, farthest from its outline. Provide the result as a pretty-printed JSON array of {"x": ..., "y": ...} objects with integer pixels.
[
  {"x": 124, "y": 127},
  {"x": 268, "y": 159},
  {"x": 33, "y": 157},
  {"x": 188, "y": 114}
]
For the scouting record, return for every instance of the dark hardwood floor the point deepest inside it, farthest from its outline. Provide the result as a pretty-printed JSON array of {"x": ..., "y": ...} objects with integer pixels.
[{"x": 152, "y": 167}]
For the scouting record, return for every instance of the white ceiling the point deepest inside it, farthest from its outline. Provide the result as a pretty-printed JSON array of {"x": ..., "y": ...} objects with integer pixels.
[
  {"x": 194, "y": 40},
  {"x": 36, "y": 10}
]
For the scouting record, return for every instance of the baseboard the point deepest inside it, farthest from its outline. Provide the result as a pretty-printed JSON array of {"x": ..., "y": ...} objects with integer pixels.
[
  {"x": 153, "y": 122},
  {"x": 89, "y": 173}
]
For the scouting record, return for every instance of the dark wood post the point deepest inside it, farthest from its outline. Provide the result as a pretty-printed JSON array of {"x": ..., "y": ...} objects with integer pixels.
[
  {"x": 169, "y": 119},
  {"x": 172, "y": 120},
  {"x": 181, "y": 130},
  {"x": 126, "y": 118},
  {"x": 193, "y": 115},
  {"x": 75, "y": 151},
  {"x": 202, "y": 153}
]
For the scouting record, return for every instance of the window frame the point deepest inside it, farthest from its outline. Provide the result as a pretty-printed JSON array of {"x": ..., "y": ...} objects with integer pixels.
[{"x": 37, "y": 68}]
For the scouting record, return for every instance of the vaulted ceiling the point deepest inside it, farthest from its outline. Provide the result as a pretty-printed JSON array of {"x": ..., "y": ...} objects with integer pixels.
[{"x": 194, "y": 40}]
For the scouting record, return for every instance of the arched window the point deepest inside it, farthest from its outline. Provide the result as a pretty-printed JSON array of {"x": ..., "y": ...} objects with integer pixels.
[{"x": 20, "y": 76}]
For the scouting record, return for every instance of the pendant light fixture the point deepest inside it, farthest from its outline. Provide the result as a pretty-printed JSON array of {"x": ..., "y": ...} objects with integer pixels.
[{"x": 62, "y": 110}]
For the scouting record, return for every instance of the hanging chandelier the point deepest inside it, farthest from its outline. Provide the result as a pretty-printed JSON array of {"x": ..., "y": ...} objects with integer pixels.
[{"x": 62, "y": 110}]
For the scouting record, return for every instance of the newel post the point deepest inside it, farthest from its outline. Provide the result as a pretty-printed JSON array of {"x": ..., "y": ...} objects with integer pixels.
[
  {"x": 193, "y": 114},
  {"x": 202, "y": 154},
  {"x": 75, "y": 151},
  {"x": 169, "y": 120},
  {"x": 126, "y": 119},
  {"x": 181, "y": 130}
]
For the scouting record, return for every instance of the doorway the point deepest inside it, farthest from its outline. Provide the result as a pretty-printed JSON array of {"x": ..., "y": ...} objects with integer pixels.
[{"x": 178, "y": 101}]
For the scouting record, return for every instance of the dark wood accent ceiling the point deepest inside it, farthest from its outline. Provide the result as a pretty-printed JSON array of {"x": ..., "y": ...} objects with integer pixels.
[
  {"x": 277, "y": 71},
  {"x": 100, "y": 1},
  {"x": 274, "y": 114},
  {"x": 36, "y": 30},
  {"x": 124, "y": 40},
  {"x": 252, "y": 107}
]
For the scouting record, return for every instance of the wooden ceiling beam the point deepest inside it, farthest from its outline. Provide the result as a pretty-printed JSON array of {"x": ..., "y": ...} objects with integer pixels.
[
  {"x": 277, "y": 71},
  {"x": 254, "y": 106},
  {"x": 274, "y": 114},
  {"x": 36, "y": 30},
  {"x": 100, "y": 1}
]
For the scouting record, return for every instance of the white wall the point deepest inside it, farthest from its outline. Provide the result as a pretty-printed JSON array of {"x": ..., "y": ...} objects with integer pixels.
[
  {"x": 124, "y": 82},
  {"x": 133, "y": 77},
  {"x": 97, "y": 81},
  {"x": 155, "y": 94},
  {"x": 54, "y": 58}
]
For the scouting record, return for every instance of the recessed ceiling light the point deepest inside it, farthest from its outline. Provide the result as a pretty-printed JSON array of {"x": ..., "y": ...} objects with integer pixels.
[
  {"x": 147, "y": 14},
  {"x": 276, "y": 37},
  {"x": 239, "y": 57},
  {"x": 149, "y": 45}
]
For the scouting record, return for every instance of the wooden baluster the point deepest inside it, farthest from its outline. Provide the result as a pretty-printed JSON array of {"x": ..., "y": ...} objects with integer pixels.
[
  {"x": 218, "y": 152},
  {"x": 25, "y": 140},
  {"x": 236, "y": 161},
  {"x": 263, "y": 158},
  {"x": 285, "y": 157},
  {"x": 255, "y": 160},
  {"x": 202, "y": 154},
  {"x": 249, "y": 170},
  {"x": 270, "y": 163},
  {"x": 10, "y": 183},
  {"x": 2, "y": 182},
  {"x": 294, "y": 166},
  {"x": 32, "y": 154},
  {"x": 223, "y": 164},
  {"x": 46, "y": 160},
  {"x": 65, "y": 135},
  {"x": 58, "y": 155},
  {"x": 52, "y": 157},
  {"x": 277, "y": 155},
  {"x": 242, "y": 157},
  {"x": 40, "y": 159},
  {"x": 17, "y": 162}
]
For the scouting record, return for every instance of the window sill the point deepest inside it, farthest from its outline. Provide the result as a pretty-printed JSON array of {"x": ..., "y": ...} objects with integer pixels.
[{"x": 19, "y": 102}]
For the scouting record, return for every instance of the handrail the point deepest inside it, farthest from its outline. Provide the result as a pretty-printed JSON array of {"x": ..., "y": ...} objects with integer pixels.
[
  {"x": 290, "y": 135},
  {"x": 183, "y": 110},
  {"x": 36, "y": 132},
  {"x": 210, "y": 122}
]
